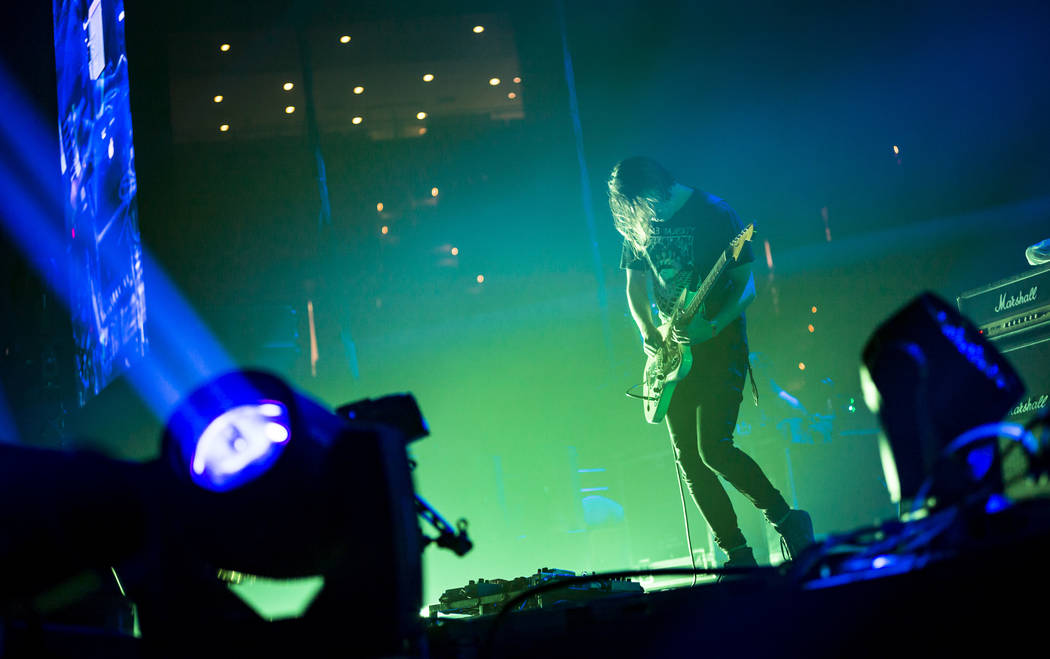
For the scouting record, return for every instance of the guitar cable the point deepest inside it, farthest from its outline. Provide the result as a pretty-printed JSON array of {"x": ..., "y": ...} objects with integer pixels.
[
  {"x": 681, "y": 490},
  {"x": 685, "y": 511}
]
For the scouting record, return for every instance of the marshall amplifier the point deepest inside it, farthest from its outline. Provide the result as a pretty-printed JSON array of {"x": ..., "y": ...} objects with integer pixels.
[{"x": 1014, "y": 314}]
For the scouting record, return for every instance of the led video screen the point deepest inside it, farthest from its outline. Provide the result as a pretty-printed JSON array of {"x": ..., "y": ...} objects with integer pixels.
[{"x": 98, "y": 173}]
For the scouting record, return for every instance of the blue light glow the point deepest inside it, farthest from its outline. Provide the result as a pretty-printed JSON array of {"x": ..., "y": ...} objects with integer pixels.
[
  {"x": 239, "y": 445},
  {"x": 995, "y": 503},
  {"x": 791, "y": 400},
  {"x": 973, "y": 352},
  {"x": 881, "y": 561}
]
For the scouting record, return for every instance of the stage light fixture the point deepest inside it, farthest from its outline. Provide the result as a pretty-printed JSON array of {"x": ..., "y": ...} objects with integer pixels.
[
  {"x": 263, "y": 481},
  {"x": 931, "y": 377}
]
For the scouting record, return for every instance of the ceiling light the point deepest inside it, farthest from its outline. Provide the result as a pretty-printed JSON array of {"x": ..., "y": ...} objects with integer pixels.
[
  {"x": 223, "y": 128},
  {"x": 218, "y": 98},
  {"x": 344, "y": 39},
  {"x": 288, "y": 86},
  {"x": 427, "y": 77},
  {"x": 512, "y": 95},
  {"x": 421, "y": 115},
  {"x": 224, "y": 47},
  {"x": 493, "y": 81},
  {"x": 359, "y": 90},
  {"x": 478, "y": 29},
  {"x": 517, "y": 80},
  {"x": 290, "y": 109},
  {"x": 356, "y": 120}
]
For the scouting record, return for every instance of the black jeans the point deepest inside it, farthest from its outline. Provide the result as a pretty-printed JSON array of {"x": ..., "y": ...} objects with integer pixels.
[{"x": 708, "y": 400}]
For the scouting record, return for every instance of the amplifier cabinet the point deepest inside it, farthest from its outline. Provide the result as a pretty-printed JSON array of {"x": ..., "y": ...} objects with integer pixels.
[
  {"x": 1012, "y": 312},
  {"x": 1033, "y": 365},
  {"x": 1014, "y": 315}
]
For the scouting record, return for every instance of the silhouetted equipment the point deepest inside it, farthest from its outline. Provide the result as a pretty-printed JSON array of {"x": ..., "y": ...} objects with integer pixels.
[
  {"x": 936, "y": 378},
  {"x": 254, "y": 478},
  {"x": 487, "y": 596},
  {"x": 397, "y": 410},
  {"x": 946, "y": 573}
]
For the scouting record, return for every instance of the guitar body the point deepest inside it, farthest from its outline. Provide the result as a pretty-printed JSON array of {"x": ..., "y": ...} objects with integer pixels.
[
  {"x": 663, "y": 371},
  {"x": 672, "y": 361}
]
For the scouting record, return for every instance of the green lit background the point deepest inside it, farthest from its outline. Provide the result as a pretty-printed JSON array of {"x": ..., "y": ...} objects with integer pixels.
[{"x": 880, "y": 151}]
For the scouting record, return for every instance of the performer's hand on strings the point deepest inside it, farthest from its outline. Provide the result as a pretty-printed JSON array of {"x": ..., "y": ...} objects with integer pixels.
[{"x": 699, "y": 330}]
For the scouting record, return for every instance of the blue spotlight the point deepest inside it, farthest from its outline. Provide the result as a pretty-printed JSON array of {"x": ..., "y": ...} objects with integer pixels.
[{"x": 232, "y": 430}]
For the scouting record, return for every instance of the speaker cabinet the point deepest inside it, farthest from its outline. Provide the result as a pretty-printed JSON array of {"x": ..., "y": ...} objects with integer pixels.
[{"x": 1032, "y": 363}]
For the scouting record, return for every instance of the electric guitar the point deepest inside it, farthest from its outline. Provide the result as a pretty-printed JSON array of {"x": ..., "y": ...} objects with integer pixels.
[{"x": 672, "y": 361}]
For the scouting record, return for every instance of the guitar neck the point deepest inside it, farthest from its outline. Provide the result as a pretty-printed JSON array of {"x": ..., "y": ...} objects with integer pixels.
[{"x": 705, "y": 288}]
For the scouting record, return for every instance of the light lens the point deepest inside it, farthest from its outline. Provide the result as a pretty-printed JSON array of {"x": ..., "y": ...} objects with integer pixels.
[{"x": 239, "y": 445}]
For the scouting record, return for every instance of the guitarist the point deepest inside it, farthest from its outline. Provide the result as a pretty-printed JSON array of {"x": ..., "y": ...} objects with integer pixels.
[{"x": 672, "y": 233}]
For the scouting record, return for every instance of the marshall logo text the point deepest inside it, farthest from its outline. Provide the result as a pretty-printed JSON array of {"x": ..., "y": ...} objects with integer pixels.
[
  {"x": 1016, "y": 300},
  {"x": 1030, "y": 405}
]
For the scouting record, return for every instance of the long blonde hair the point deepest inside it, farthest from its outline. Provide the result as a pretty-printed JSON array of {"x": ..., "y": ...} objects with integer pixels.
[{"x": 636, "y": 185}]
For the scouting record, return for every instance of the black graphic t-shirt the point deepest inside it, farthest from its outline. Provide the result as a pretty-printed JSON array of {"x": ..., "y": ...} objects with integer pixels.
[{"x": 683, "y": 249}]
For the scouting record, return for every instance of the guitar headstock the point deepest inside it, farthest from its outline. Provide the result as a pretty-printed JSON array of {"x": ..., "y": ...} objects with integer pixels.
[{"x": 737, "y": 244}]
